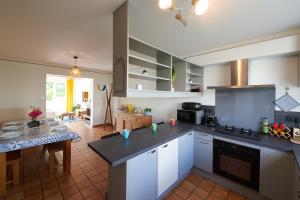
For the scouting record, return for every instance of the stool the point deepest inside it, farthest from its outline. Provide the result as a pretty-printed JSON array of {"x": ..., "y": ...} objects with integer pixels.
[
  {"x": 52, "y": 149},
  {"x": 13, "y": 159}
]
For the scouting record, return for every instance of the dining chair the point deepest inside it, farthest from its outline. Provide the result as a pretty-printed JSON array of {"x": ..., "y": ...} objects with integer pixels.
[
  {"x": 110, "y": 135},
  {"x": 52, "y": 149}
]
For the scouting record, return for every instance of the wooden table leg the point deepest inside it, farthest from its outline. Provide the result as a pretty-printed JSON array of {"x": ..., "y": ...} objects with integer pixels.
[
  {"x": 2, "y": 174},
  {"x": 67, "y": 156}
]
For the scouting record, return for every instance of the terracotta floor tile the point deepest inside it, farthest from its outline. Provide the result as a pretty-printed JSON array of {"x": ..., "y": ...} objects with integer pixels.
[
  {"x": 15, "y": 196},
  {"x": 84, "y": 184},
  {"x": 194, "y": 197},
  {"x": 213, "y": 197},
  {"x": 76, "y": 196},
  {"x": 69, "y": 191},
  {"x": 194, "y": 179},
  {"x": 201, "y": 192},
  {"x": 89, "y": 191},
  {"x": 188, "y": 185},
  {"x": 235, "y": 196},
  {"x": 51, "y": 191},
  {"x": 96, "y": 196},
  {"x": 220, "y": 192},
  {"x": 174, "y": 197},
  {"x": 36, "y": 196},
  {"x": 182, "y": 192},
  {"x": 206, "y": 185}
]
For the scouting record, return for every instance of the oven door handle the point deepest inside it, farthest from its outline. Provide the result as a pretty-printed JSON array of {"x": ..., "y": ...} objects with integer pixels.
[{"x": 235, "y": 156}]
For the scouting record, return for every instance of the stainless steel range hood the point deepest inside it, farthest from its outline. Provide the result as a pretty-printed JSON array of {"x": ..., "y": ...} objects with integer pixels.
[{"x": 239, "y": 77}]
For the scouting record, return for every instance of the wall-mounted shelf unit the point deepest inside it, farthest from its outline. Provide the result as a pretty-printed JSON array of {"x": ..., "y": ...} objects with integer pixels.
[{"x": 141, "y": 70}]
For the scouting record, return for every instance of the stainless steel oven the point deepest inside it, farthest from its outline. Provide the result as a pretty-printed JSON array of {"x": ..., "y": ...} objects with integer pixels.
[{"x": 236, "y": 162}]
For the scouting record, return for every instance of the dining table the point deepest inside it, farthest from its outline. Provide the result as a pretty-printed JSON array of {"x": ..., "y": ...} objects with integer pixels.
[{"x": 46, "y": 133}]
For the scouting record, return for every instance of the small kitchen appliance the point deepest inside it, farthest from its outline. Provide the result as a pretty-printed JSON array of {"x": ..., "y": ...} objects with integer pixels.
[
  {"x": 210, "y": 120},
  {"x": 191, "y": 113}
]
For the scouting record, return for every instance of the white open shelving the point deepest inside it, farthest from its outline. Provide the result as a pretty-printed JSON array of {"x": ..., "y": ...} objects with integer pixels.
[{"x": 148, "y": 77}]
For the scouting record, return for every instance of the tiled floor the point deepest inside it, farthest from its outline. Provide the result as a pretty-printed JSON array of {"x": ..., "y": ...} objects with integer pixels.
[
  {"x": 195, "y": 187},
  {"x": 88, "y": 178}
]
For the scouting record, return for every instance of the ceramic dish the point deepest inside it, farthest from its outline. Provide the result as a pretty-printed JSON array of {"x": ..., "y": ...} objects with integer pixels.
[
  {"x": 59, "y": 129},
  {"x": 11, "y": 128},
  {"x": 14, "y": 123},
  {"x": 53, "y": 123},
  {"x": 10, "y": 135}
]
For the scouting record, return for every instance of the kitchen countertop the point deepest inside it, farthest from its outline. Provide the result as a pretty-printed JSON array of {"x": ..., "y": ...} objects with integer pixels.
[{"x": 116, "y": 150}]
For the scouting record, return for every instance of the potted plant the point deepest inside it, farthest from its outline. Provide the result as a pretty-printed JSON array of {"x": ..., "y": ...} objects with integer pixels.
[
  {"x": 33, "y": 114},
  {"x": 147, "y": 111}
]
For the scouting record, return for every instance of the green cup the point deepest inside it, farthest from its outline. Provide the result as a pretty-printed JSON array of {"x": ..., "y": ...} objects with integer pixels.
[{"x": 154, "y": 127}]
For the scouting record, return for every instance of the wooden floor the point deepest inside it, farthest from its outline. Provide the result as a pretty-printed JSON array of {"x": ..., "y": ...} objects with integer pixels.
[{"x": 88, "y": 178}]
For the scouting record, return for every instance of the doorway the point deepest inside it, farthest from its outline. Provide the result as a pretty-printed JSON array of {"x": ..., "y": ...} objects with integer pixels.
[{"x": 69, "y": 99}]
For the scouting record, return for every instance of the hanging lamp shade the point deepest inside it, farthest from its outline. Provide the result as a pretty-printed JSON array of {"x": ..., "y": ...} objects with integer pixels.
[{"x": 75, "y": 69}]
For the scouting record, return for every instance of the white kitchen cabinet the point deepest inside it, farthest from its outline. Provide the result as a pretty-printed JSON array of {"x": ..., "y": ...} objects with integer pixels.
[
  {"x": 142, "y": 176},
  {"x": 185, "y": 154},
  {"x": 203, "y": 151},
  {"x": 276, "y": 171},
  {"x": 167, "y": 165},
  {"x": 296, "y": 191}
]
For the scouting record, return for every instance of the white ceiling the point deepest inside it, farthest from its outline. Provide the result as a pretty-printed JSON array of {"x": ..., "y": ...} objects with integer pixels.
[
  {"x": 53, "y": 31},
  {"x": 225, "y": 22}
]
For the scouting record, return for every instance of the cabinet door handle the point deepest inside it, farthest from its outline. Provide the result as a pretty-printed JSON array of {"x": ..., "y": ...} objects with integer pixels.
[
  {"x": 190, "y": 134},
  {"x": 165, "y": 145},
  {"x": 203, "y": 142},
  {"x": 152, "y": 152}
]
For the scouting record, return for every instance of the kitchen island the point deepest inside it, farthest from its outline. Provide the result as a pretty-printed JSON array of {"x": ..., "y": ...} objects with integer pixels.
[{"x": 149, "y": 164}]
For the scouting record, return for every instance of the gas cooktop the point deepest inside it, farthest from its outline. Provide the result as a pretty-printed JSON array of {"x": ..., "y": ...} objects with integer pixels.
[{"x": 238, "y": 132}]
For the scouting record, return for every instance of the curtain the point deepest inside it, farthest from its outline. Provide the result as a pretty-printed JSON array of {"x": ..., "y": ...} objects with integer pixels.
[{"x": 70, "y": 91}]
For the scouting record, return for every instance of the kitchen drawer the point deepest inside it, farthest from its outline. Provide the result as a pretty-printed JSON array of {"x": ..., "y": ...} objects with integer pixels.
[{"x": 203, "y": 136}]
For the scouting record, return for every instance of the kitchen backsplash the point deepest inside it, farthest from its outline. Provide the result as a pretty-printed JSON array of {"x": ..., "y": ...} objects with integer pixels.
[{"x": 245, "y": 108}]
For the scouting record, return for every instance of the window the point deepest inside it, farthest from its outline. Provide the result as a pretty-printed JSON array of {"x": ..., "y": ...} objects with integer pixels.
[
  {"x": 49, "y": 91},
  {"x": 60, "y": 89}
]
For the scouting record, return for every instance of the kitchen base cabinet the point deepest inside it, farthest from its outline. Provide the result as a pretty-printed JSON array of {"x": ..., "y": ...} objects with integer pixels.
[
  {"x": 167, "y": 166},
  {"x": 203, "y": 151},
  {"x": 185, "y": 154},
  {"x": 142, "y": 176},
  {"x": 134, "y": 180},
  {"x": 276, "y": 170}
]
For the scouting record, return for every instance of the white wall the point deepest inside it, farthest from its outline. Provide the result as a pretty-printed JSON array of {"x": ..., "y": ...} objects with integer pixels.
[
  {"x": 279, "y": 70},
  {"x": 23, "y": 84}
]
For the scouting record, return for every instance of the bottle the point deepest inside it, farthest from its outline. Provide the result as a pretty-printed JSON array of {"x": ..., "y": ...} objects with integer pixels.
[{"x": 265, "y": 126}]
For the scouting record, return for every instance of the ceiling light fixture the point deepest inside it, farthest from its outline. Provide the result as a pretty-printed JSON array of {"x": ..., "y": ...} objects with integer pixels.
[
  {"x": 196, "y": 6},
  {"x": 200, "y": 6},
  {"x": 165, "y": 4},
  {"x": 75, "y": 69}
]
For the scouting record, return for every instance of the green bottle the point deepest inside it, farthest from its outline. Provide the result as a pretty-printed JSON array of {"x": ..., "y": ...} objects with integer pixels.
[{"x": 265, "y": 126}]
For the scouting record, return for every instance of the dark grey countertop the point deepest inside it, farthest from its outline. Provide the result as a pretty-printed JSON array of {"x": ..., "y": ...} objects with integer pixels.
[{"x": 116, "y": 150}]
